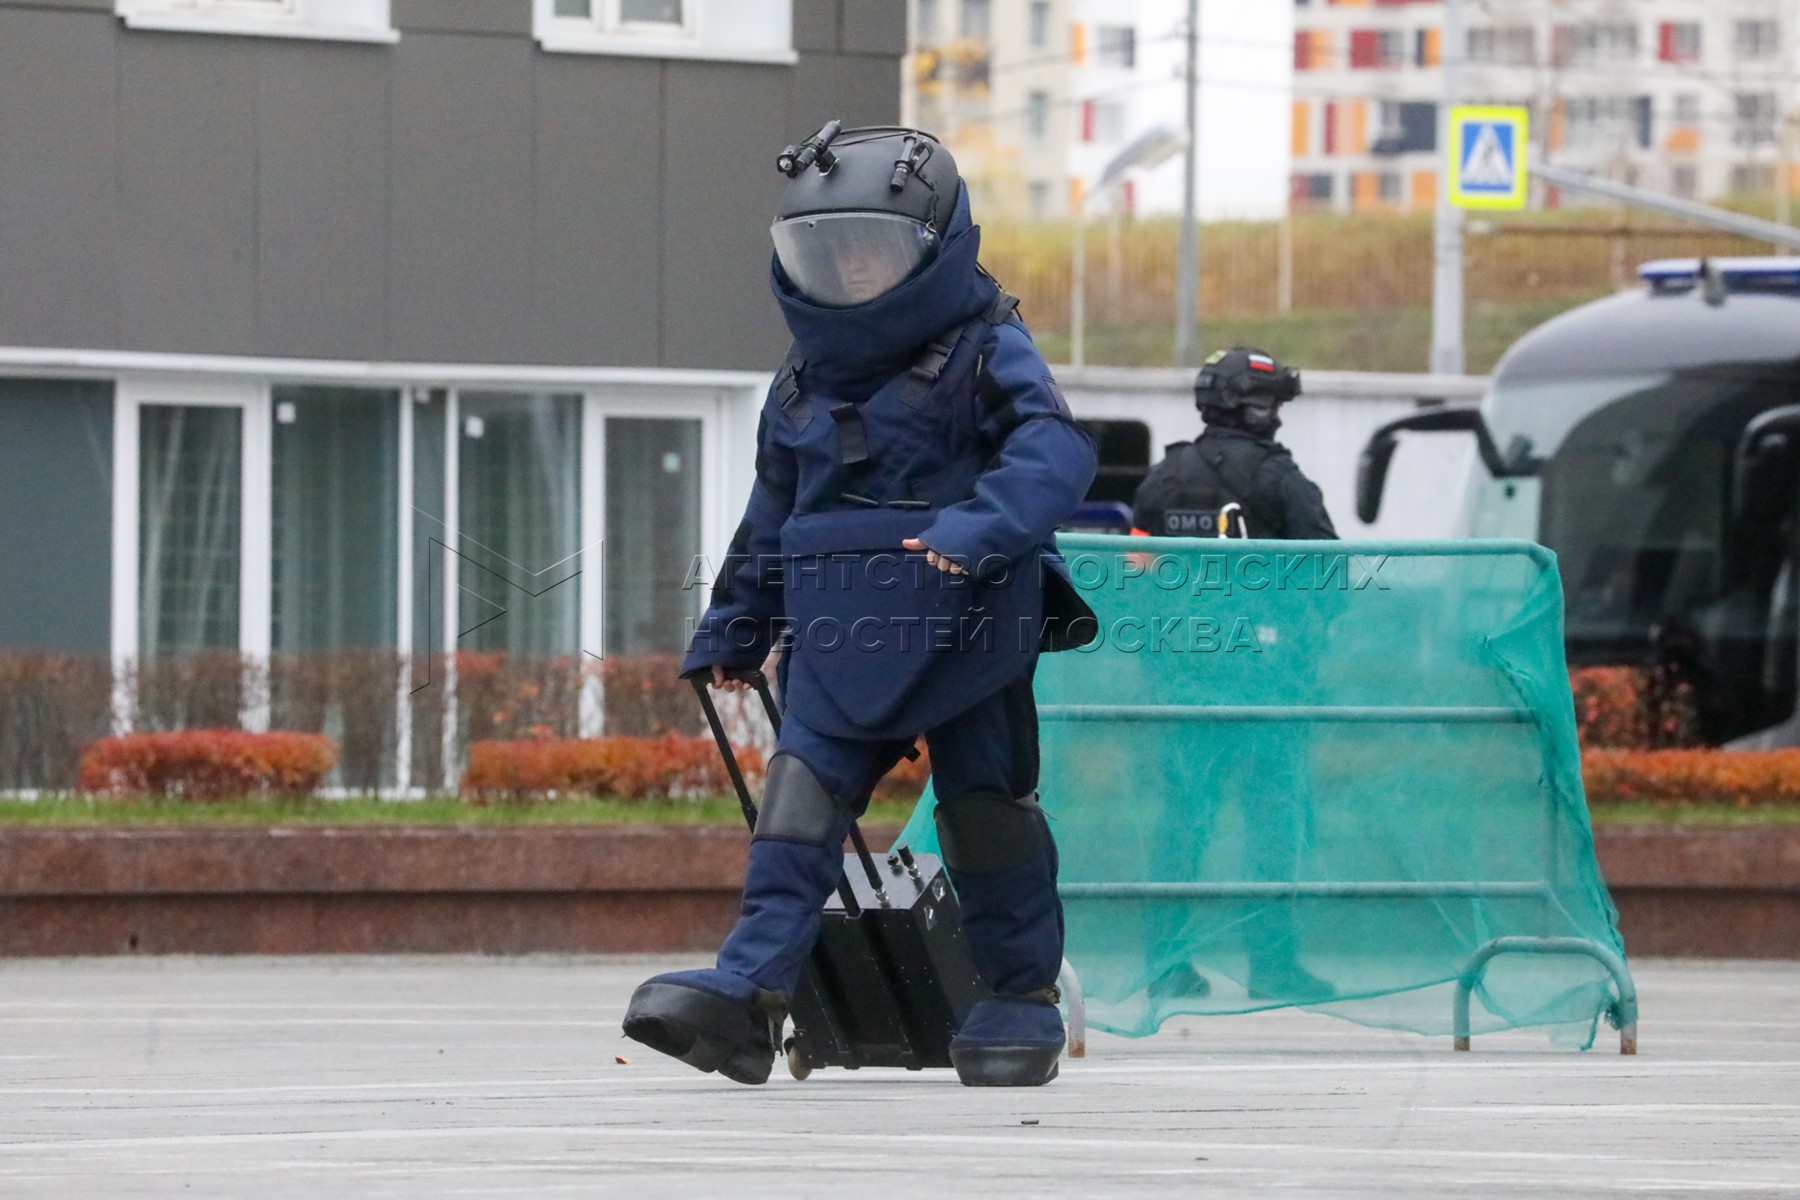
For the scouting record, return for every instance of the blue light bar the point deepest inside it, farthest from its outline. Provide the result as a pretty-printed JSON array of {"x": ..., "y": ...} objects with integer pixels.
[{"x": 1769, "y": 273}]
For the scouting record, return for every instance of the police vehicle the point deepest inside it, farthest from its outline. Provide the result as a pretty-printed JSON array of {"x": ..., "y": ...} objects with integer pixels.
[{"x": 1652, "y": 440}]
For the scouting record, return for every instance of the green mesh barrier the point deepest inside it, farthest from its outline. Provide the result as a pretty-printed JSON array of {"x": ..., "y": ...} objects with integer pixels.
[{"x": 1336, "y": 775}]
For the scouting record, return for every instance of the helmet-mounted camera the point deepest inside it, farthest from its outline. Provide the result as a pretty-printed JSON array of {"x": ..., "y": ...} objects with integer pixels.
[{"x": 869, "y": 217}]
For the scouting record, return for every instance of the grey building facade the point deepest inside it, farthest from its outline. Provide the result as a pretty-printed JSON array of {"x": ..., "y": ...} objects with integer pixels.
[{"x": 334, "y": 324}]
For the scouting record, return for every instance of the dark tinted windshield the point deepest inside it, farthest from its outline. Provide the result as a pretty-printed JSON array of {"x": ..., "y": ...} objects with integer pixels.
[
  {"x": 1634, "y": 503},
  {"x": 1530, "y": 420}
]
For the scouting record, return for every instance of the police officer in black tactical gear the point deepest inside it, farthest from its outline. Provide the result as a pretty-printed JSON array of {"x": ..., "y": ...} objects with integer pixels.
[{"x": 1235, "y": 480}]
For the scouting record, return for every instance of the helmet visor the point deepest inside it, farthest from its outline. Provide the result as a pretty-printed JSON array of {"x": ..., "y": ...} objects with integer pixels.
[{"x": 844, "y": 259}]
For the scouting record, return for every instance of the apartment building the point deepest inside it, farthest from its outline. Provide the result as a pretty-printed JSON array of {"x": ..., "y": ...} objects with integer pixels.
[
  {"x": 1692, "y": 97},
  {"x": 994, "y": 78},
  {"x": 1038, "y": 96}
]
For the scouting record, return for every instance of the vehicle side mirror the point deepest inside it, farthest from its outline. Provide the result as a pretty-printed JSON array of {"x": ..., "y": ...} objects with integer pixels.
[
  {"x": 1372, "y": 467},
  {"x": 1371, "y": 475},
  {"x": 1762, "y": 469}
]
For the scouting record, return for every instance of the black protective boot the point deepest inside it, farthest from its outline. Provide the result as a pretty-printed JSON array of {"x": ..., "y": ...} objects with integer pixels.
[
  {"x": 1275, "y": 970},
  {"x": 711, "y": 1020},
  {"x": 728, "y": 1018},
  {"x": 1281, "y": 977},
  {"x": 1002, "y": 860},
  {"x": 1180, "y": 982},
  {"x": 1009, "y": 1041}
]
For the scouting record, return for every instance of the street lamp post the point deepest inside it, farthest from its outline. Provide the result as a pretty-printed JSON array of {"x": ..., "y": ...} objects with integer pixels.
[
  {"x": 1187, "y": 267},
  {"x": 1151, "y": 149},
  {"x": 1447, "y": 235}
]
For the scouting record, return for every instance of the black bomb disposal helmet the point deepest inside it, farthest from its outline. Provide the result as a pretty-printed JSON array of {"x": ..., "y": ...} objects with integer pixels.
[
  {"x": 1246, "y": 384},
  {"x": 862, "y": 211}
]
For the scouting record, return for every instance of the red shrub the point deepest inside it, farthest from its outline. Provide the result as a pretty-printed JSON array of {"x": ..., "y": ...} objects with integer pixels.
[
  {"x": 502, "y": 695},
  {"x": 1639, "y": 708},
  {"x": 636, "y": 767},
  {"x": 207, "y": 764},
  {"x": 347, "y": 695},
  {"x": 51, "y": 705},
  {"x": 1743, "y": 777},
  {"x": 646, "y": 696},
  {"x": 202, "y": 690}
]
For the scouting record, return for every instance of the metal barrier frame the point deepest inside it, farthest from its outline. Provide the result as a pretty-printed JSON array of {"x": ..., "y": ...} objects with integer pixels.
[
  {"x": 1622, "y": 1015},
  {"x": 1623, "y": 1012}
]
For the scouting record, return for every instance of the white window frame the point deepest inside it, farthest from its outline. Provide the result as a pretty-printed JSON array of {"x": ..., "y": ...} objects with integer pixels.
[
  {"x": 1037, "y": 114},
  {"x": 726, "y": 403},
  {"x": 925, "y": 19},
  {"x": 600, "y": 405},
  {"x": 1111, "y": 120},
  {"x": 322, "y": 20},
  {"x": 1122, "y": 52},
  {"x": 1388, "y": 125},
  {"x": 255, "y": 544},
  {"x": 1391, "y": 50},
  {"x": 1756, "y": 39},
  {"x": 1755, "y": 123},
  {"x": 1616, "y": 41},
  {"x": 1038, "y": 24},
  {"x": 1686, "y": 41},
  {"x": 755, "y": 31},
  {"x": 975, "y": 20},
  {"x": 607, "y": 17},
  {"x": 709, "y": 406}
]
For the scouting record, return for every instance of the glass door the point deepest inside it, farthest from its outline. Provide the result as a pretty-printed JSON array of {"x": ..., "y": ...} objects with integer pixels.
[
  {"x": 189, "y": 531},
  {"x": 190, "y": 553},
  {"x": 518, "y": 537},
  {"x": 652, "y": 533}
]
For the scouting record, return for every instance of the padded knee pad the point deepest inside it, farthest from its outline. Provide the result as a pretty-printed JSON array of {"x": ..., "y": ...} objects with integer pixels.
[
  {"x": 710, "y": 1020},
  {"x": 984, "y": 833},
  {"x": 795, "y": 861},
  {"x": 1002, "y": 862},
  {"x": 797, "y": 808}
]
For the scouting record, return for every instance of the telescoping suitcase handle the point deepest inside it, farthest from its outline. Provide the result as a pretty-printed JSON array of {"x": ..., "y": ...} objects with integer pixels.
[{"x": 760, "y": 682}]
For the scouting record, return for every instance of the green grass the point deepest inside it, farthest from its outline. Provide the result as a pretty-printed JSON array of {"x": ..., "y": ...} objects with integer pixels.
[
  {"x": 1389, "y": 340},
  {"x": 1702, "y": 813},
  {"x": 88, "y": 811}
]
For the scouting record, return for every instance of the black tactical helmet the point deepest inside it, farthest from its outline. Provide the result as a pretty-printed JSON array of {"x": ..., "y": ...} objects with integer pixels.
[
  {"x": 864, "y": 209},
  {"x": 1246, "y": 387}
]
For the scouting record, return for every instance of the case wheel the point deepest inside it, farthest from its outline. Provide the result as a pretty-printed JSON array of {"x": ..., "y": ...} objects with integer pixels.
[{"x": 798, "y": 1067}]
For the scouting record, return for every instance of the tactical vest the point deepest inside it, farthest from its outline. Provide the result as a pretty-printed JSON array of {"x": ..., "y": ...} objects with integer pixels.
[
  {"x": 938, "y": 375},
  {"x": 1198, "y": 482},
  {"x": 884, "y": 644}
]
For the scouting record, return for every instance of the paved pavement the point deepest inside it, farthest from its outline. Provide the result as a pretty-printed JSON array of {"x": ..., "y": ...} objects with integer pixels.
[{"x": 271, "y": 1079}]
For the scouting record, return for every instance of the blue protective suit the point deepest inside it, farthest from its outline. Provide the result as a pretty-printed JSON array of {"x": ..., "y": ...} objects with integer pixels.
[{"x": 927, "y": 413}]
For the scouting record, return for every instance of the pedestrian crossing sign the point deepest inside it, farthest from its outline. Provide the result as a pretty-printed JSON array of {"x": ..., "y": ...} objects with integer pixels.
[{"x": 1487, "y": 157}]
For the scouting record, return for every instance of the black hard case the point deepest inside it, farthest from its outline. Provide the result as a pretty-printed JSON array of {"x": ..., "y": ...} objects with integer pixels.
[{"x": 890, "y": 978}]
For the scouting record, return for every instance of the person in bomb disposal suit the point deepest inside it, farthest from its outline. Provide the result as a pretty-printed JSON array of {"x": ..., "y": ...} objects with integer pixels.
[
  {"x": 1235, "y": 480},
  {"x": 913, "y": 458}
]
